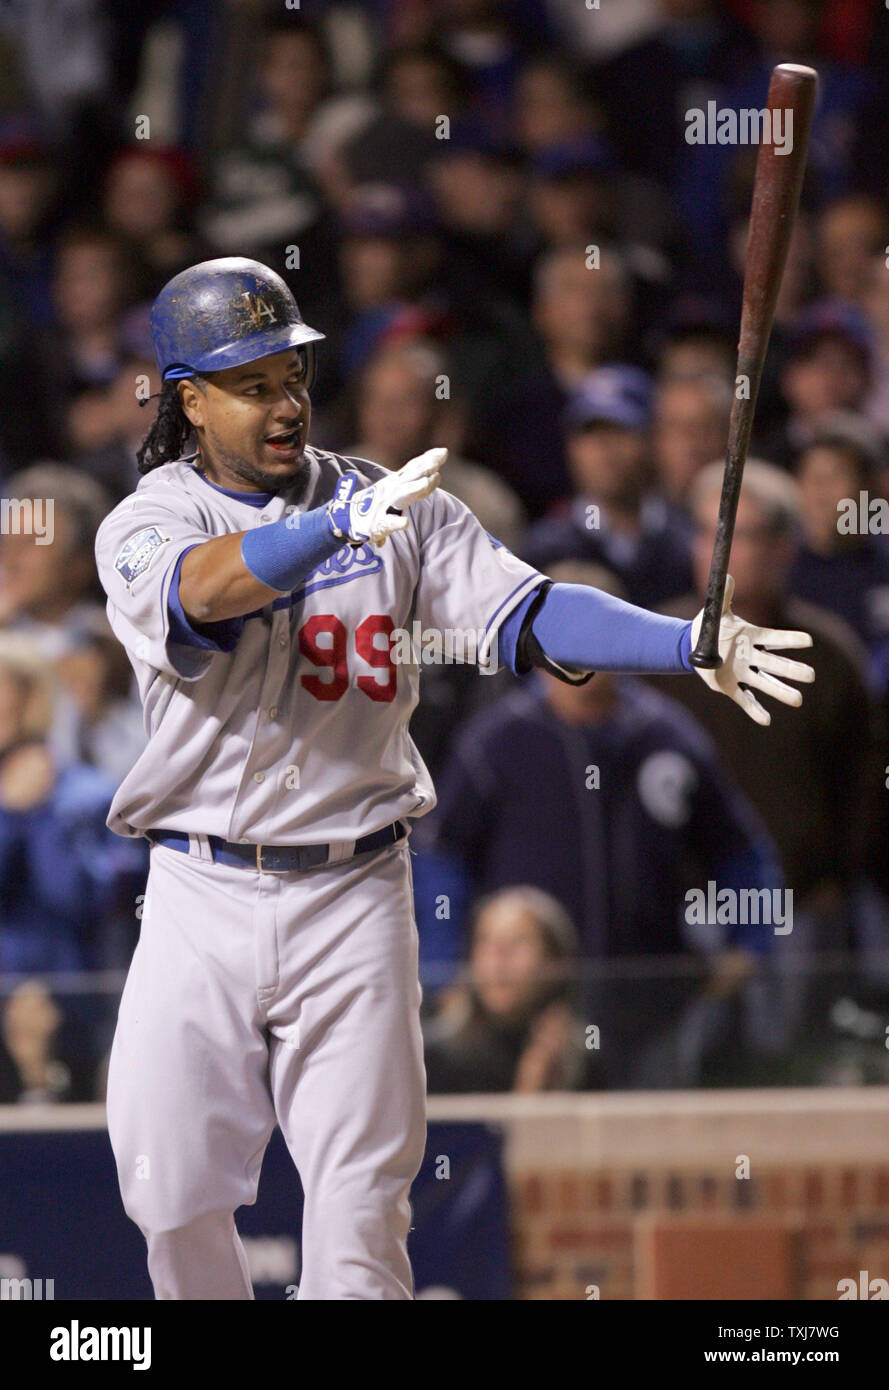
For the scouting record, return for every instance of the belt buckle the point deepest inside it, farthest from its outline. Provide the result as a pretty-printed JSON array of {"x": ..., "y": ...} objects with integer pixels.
[{"x": 260, "y": 865}]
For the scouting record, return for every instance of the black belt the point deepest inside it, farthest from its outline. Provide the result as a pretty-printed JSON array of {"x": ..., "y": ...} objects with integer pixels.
[{"x": 277, "y": 859}]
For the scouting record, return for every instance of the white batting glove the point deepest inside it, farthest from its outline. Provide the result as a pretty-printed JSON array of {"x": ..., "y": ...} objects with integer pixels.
[
  {"x": 376, "y": 511},
  {"x": 746, "y": 658}
]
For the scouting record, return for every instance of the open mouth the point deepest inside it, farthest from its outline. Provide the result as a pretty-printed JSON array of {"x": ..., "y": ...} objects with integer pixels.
[{"x": 286, "y": 442}]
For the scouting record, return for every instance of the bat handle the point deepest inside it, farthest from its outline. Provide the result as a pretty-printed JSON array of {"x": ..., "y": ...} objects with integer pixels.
[{"x": 706, "y": 652}]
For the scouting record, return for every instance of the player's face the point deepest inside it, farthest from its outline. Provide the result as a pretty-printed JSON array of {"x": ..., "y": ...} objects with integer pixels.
[{"x": 252, "y": 422}]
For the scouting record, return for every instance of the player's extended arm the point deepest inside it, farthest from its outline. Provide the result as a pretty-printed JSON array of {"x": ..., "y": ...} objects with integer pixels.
[
  {"x": 576, "y": 629},
  {"x": 230, "y": 576}
]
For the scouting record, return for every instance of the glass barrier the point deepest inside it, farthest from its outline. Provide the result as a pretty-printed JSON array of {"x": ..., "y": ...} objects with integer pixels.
[{"x": 628, "y": 1024}]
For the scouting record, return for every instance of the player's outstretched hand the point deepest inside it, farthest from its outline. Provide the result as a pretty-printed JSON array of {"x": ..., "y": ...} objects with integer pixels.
[
  {"x": 376, "y": 511},
  {"x": 747, "y": 659}
]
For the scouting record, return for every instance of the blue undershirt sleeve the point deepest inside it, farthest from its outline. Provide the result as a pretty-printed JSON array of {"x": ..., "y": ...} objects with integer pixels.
[
  {"x": 508, "y": 636},
  {"x": 214, "y": 637},
  {"x": 585, "y": 629}
]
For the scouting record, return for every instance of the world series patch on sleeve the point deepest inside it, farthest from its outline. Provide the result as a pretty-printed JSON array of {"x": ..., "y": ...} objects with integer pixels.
[{"x": 135, "y": 555}]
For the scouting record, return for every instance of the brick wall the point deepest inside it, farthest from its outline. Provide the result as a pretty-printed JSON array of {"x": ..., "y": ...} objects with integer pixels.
[{"x": 644, "y": 1195}]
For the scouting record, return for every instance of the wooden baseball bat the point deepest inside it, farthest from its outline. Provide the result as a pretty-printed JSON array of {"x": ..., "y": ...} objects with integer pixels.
[{"x": 776, "y": 193}]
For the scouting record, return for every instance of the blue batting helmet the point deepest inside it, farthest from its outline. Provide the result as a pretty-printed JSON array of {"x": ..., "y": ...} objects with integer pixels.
[{"x": 224, "y": 313}]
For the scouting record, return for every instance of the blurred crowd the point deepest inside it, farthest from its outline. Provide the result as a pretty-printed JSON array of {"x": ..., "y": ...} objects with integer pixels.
[{"x": 491, "y": 210}]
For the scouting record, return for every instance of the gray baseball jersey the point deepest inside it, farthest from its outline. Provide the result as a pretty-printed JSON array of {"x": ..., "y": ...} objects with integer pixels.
[{"x": 290, "y": 726}]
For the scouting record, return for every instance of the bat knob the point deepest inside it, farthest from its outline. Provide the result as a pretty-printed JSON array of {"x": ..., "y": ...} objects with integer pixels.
[{"x": 707, "y": 661}]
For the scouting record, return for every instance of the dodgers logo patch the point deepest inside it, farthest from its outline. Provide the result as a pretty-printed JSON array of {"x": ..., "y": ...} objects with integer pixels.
[{"x": 135, "y": 555}]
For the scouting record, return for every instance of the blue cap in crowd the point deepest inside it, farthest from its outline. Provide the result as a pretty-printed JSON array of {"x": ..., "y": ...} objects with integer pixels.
[
  {"x": 833, "y": 318},
  {"x": 587, "y": 154},
  {"x": 618, "y": 394}
]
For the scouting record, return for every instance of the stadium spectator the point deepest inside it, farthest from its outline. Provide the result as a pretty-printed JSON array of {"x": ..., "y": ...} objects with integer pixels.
[
  {"x": 848, "y": 234},
  {"x": 491, "y": 39},
  {"x": 581, "y": 310},
  {"x": 476, "y": 179},
  {"x": 119, "y": 422},
  {"x": 186, "y": 85},
  {"x": 38, "y": 1064},
  {"x": 783, "y": 32},
  {"x": 387, "y": 253},
  {"x": 875, "y": 304},
  {"x": 690, "y": 429},
  {"x": 578, "y": 192},
  {"x": 616, "y": 518},
  {"x": 697, "y": 340},
  {"x": 553, "y": 104},
  {"x": 420, "y": 86},
  {"x": 149, "y": 198},
  {"x": 95, "y": 673},
  {"x": 48, "y": 582},
  {"x": 406, "y": 398},
  {"x": 92, "y": 286},
  {"x": 829, "y": 368},
  {"x": 61, "y": 869},
  {"x": 843, "y": 563},
  {"x": 573, "y": 192},
  {"x": 788, "y": 32},
  {"x": 512, "y": 1025},
  {"x": 421, "y": 82},
  {"x": 120, "y": 419},
  {"x": 813, "y": 779},
  {"x": 29, "y": 185},
  {"x": 64, "y": 59},
  {"x": 645, "y": 86},
  {"x": 263, "y": 200}
]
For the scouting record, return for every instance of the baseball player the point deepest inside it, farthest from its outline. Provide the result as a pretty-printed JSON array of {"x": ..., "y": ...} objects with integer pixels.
[{"x": 256, "y": 582}]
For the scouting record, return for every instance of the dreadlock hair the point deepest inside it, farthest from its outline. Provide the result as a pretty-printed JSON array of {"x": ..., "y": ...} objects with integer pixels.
[{"x": 168, "y": 437}]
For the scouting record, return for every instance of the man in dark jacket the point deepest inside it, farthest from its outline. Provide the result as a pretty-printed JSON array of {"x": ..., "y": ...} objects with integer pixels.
[{"x": 609, "y": 798}]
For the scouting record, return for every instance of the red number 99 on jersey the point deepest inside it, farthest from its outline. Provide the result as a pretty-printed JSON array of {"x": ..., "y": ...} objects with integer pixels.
[{"x": 332, "y": 655}]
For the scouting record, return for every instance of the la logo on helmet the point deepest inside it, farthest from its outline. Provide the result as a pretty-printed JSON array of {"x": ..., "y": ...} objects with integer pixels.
[{"x": 258, "y": 308}]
